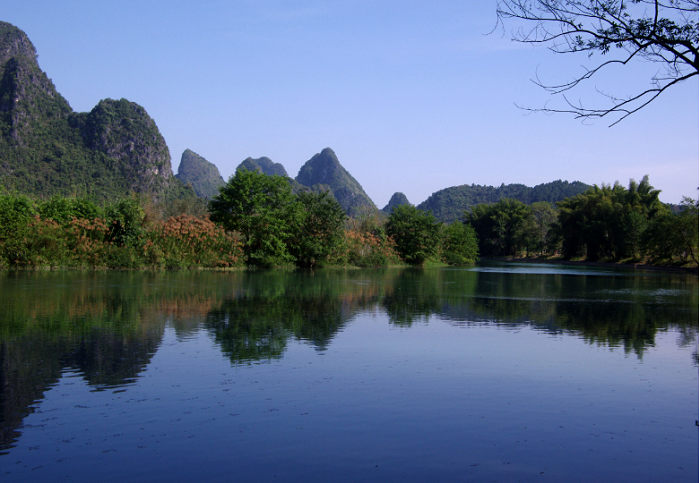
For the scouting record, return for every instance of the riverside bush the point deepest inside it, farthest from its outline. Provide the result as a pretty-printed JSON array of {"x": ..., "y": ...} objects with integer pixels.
[{"x": 188, "y": 241}]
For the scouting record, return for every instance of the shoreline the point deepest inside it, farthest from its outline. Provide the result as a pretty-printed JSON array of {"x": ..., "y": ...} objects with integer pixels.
[{"x": 631, "y": 266}]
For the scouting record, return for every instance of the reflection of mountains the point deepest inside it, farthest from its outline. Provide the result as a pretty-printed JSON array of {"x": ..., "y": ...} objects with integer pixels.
[
  {"x": 107, "y": 326},
  {"x": 52, "y": 323},
  {"x": 33, "y": 363}
]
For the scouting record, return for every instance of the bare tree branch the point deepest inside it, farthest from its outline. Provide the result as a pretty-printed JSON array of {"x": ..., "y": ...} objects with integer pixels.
[{"x": 656, "y": 31}]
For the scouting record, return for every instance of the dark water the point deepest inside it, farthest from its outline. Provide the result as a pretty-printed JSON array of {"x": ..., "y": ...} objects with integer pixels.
[{"x": 492, "y": 373}]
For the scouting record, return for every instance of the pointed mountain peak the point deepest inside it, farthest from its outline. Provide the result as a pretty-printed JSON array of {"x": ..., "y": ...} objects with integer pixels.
[
  {"x": 397, "y": 199},
  {"x": 200, "y": 173},
  {"x": 14, "y": 43},
  {"x": 325, "y": 169}
]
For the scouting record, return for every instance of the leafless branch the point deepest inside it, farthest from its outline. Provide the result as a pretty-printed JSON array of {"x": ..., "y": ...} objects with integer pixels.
[{"x": 657, "y": 31}]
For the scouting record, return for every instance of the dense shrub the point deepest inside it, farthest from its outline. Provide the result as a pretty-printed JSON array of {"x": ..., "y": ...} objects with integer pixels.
[
  {"x": 187, "y": 241},
  {"x": 415, "y": 232},
  {"x": 459, "y": 244}
]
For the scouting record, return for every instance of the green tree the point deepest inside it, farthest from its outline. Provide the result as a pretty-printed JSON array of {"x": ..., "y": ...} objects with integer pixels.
[
  {"x": 16, "y": 213},
  {"x": 263, "y": 210},
  {"x": 500, "y": 226},
  {"x": 459, "y": 244},
  {"x": 416, "y": 233},
  {"x": 539, "y": 228},
  {"x": 688, "y": 227},
  {"x": 63, "y": 209},
  {"x": 672, "y": 236},
  {"x": 608, "y": 221},
  {"x": 125, "y": 220},
  {"x": 319, "y": 233}
]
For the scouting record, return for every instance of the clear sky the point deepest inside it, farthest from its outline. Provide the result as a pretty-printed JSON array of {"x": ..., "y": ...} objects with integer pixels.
[{"x": 412, "y": 96}]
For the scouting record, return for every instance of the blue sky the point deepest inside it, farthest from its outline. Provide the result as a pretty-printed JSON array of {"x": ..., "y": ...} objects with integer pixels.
[{"x": 412, "y": 96}]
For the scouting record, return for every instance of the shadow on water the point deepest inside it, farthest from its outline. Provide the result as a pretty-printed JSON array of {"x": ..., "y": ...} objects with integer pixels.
[{"x": 107, "y": 326}]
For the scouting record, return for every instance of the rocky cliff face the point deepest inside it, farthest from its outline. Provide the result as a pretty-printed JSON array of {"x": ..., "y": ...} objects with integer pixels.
[
  {"x": 200, "y": 173},
  {"x": 325, "y": 169},
  {"x": 124, "y": 132},
  {"x": 25, "y": 91},
  {"x": 46, "y": 148}
]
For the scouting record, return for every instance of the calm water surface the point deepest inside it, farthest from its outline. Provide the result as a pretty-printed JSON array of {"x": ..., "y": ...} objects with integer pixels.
[{"x": 498, "y": 372}]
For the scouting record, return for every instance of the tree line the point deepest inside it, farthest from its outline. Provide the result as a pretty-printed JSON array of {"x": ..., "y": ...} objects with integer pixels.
[
  {"x": 606, "y": 223},
  {"x": 257, "y": 220}
]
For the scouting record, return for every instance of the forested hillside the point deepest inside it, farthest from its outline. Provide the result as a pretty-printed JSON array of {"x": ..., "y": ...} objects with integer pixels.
[
  {"x": 397, "y": 199},
  {"x": 451, "y": 204},
  {"x": 46, "y": 148},
  {"x": 202, "y": 175},
  {"x": 325, "y": 169},
  {"x": 263, "y": 165}
]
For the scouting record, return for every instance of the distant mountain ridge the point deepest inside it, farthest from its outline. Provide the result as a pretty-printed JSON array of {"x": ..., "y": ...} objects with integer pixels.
[
  {"x": 322, "y": 173},
  {"x": 263, "y": 165},
  {"x": 46, "y": 148},
  {"x": 325, "y": 169},
  {"x": 450, "y": 204},
  {"x": 397, "y": 199},
  {"x": 202, "y": 175}
]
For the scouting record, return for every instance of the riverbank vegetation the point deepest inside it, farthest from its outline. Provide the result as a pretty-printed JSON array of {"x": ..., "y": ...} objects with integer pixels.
[
  {"x": 258, "y": 221},
  {"x": 603, "y": 224}
]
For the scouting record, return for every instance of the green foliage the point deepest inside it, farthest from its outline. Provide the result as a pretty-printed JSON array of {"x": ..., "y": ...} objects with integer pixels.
[
  {"x": 500, "y": 226},
  {"x": 125, "y": 221},
  {"x": 416, "y": 233},
  {"x": 62, "y": 210},
  {"x": 263, "y": 210},
  {"x": 73, "y": 233},
  {"x": 671, "y": 236},
  {"x": 318, "y": 238},
  {"x": 459, "y": 244},
  {"x": 541, "y": 231},
  {"x": 450, "y": 204},
  {"x": 608, "y": 222},
  {"x": 16, "y": 214},
  {"x": 367, "y": 243}
]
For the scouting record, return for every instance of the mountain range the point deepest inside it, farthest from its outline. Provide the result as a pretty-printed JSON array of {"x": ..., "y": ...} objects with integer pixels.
[{"x": 48, "y": 149}]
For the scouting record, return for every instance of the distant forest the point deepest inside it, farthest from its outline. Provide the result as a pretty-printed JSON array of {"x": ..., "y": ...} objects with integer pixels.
[{"x": 452, "y": 204}]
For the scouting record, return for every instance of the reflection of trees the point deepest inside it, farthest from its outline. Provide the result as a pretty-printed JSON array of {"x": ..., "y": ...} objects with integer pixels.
[
  {"x": 26, "y": 371},
  {"x": 107, "y": 326},
  {"x": 271, "y": 307},
  {"x": 109, "y": 360},
  {"x": 608, "y": 310},
  {"x": 414, "y": 295},
  {"x": 248, "y": 329}
]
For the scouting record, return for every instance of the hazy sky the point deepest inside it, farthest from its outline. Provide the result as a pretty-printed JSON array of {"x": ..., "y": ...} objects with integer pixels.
[{"x": 412, "y": 96}]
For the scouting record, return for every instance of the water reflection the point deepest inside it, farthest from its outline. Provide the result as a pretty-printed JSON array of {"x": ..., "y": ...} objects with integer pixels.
[{"x": 107, "y": 326}]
